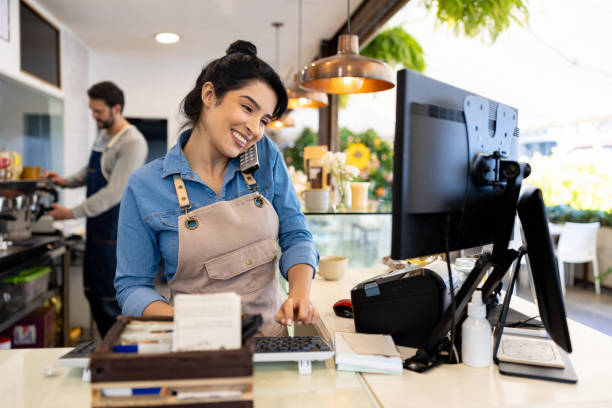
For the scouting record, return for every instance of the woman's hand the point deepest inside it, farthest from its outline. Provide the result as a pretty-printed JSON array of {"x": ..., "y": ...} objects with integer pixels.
[
  {"x": 158, "y": 308},
  {"x": 298, "y": 310},
  {"x": 297, "y": 307}
]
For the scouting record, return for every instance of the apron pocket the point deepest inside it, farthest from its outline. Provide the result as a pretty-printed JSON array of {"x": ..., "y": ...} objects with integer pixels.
[{"x": 241, "y": 260}]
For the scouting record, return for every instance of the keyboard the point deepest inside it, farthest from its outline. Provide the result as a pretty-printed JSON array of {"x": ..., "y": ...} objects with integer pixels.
[
  {"x": 79, "y": 356},
  {"x": 297, "y": 348}
]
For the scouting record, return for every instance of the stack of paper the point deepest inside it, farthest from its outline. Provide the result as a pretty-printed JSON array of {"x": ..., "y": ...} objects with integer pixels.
[
  {"x": 369, "y": 353},
  {"x": 207, "y": 322}
]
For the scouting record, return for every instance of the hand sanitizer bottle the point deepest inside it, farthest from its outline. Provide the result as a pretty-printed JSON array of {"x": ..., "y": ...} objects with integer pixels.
[{"x": 476, "y": 334}]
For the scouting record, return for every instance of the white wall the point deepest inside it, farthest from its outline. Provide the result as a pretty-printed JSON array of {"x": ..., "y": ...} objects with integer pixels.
[
  {"x": 78, "y": 131},
  {"x": 153, "y": 86}
]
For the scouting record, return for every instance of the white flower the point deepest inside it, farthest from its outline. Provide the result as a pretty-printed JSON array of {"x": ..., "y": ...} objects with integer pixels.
[{"x": 337, "y": 167}]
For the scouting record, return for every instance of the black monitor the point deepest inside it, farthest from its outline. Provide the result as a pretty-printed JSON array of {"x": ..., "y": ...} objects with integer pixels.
[
  {"x": 456, "y": 186},
  {"x": 543, "y": 266},
  {"x": 433, "y": 185}
]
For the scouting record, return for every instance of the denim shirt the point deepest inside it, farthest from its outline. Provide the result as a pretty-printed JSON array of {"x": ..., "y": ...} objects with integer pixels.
[{"x": 149, "y": 212}]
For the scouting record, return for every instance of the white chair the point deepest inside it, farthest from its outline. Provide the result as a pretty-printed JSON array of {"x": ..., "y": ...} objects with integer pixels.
[{"x": 578, "y": 244}]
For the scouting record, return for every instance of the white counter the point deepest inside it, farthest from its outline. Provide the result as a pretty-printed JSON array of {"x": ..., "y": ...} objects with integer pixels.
[{"x": 22, "y": 383}]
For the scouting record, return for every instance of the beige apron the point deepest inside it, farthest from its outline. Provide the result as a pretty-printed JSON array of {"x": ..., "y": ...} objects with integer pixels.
[{"x": 230, "y": 246}]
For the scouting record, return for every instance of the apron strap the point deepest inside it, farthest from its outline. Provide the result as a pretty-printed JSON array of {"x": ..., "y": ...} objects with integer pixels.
[
  {"x": 185, "y": 205},
  {"x": 181, "y": 192},
  {"x": 250, "y": 181},
  {"x": 252, "y": 185}
]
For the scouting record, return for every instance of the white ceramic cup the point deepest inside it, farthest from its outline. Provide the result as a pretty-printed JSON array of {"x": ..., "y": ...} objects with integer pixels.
[
  {"x": 359, "y": 195},
  {"x": 333, "y": 267},
  {"x": 316, "y": 200}
]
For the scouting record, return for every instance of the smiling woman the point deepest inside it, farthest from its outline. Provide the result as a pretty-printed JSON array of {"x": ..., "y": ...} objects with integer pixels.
[{"x": 195, "y": 210}]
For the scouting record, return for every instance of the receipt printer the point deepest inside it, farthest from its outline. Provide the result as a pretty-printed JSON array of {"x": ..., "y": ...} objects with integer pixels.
[{"x": 405, "y": 304}]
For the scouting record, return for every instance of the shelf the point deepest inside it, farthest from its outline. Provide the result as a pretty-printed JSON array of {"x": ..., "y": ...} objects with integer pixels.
[
  {"x": 17, "y": 258},
  {"x": 29, "y": 308}
]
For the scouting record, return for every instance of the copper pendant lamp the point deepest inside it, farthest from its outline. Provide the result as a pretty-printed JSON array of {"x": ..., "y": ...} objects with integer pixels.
[
  {"x": 285, "y": 120},
  {"x": 347, "y": 72},
  {"x": 299, "y": 97}
]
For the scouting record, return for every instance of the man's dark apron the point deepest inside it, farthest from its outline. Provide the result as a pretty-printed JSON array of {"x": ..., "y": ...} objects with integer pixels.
[{"x": 100, "y": 260}]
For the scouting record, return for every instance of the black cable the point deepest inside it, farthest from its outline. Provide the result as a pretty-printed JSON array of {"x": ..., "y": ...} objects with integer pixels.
[
  {"x": 452, "y": 288},
  {"x": 525, "y": 323}
]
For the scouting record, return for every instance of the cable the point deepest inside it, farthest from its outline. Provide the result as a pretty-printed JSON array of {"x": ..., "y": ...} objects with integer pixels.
[
  {"x": 452, "y": 291},
  {"x": 525, "y": 323}
]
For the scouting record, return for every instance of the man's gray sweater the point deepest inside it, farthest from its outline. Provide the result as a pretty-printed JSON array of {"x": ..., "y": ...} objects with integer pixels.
[{"x": 120, "y": 157}]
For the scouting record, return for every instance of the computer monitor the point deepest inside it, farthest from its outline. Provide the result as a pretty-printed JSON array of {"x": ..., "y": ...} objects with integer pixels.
[
  {"x": 456, "y": 186},
  {"x": 433, "y": 184},
  {"x": 543, "y": 266}
]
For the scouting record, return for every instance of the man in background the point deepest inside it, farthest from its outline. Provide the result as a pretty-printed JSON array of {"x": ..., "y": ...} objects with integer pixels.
[{"x": 118, "y": 150}]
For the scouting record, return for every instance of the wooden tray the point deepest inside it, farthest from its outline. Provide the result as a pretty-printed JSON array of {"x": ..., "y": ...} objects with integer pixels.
[{"x": 185, "y": 371}]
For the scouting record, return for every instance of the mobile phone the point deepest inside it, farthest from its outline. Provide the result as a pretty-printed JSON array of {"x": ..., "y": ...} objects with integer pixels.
[{"x": 249, "y": 162}]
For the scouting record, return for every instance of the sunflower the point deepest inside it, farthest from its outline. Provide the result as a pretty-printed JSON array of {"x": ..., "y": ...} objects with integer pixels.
[{"x": 358, "y": 155}]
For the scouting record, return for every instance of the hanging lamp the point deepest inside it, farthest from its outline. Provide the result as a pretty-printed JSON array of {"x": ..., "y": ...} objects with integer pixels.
[
  {"x": 347, "y": 71},
  {"x": 299, "y": 97},
  {"x": 285, "y": 120}
]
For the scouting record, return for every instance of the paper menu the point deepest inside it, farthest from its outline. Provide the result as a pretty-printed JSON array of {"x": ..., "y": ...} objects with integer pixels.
[{"x": 207, "y": 322}]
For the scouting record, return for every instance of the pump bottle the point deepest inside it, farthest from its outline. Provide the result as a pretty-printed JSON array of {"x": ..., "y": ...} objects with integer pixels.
[{"x": 476, "y": 334}]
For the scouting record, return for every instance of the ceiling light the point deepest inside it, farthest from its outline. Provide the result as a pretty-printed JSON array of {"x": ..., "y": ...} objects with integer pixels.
[
  {"x": 167, "y": 38},
  {"x": 284, "y": 121},
  {"x": 347, "y": 71}
]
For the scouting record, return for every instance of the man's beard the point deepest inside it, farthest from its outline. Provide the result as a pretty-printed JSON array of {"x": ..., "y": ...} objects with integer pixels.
[{"x": 106, "y": 124}]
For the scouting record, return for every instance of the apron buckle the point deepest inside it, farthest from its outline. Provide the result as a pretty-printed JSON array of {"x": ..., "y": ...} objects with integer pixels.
[{"x": 190, "y": 222}]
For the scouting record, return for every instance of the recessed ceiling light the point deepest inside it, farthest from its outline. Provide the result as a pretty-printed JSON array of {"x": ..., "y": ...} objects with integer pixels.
[{"x": 167, "y": 38}]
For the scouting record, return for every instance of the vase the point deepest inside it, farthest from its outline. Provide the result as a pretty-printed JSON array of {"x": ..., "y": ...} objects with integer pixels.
[{"x": 342, "y": 199}]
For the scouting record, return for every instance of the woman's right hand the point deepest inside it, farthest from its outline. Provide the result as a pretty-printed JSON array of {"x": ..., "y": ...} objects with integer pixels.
[
  {"x": 158, "y": 308},
  {"x": 55, "y": 178}
]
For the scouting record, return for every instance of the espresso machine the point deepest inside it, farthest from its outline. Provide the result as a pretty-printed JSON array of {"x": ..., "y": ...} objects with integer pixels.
[{"x": 22, "y": 204}]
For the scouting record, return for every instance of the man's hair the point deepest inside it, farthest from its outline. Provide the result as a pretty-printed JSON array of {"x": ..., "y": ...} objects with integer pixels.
[{"x": 108, "y": 92}]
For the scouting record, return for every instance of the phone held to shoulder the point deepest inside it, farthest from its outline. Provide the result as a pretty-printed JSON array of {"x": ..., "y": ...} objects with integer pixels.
[{"x": 249, "y": 162}]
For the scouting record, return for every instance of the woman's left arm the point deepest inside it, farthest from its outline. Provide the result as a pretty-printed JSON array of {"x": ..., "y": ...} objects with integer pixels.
[{"x": 299, "y": 257}]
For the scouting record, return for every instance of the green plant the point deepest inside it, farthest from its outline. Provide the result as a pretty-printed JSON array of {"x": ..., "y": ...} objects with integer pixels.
[
  {"x": 565, "y": 213},
  {"x": 294, "y": 156},
  {"x": 603, "y": 275},
  {"x": 581, "y": 179},
  {"x": 396, "y": 47},
  {"x": 472, "y": 16}
]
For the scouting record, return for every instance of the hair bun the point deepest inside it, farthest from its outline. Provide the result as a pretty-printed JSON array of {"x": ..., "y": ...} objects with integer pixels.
[{"x": 243, "y": 47}]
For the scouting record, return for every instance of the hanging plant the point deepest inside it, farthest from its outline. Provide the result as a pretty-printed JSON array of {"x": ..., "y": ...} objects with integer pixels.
[
  {"x": 473, "y": 16},
  {"x": 396, "y": 47}
]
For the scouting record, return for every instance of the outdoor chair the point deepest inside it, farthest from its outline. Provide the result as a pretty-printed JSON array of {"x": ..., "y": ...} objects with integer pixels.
[{"x": 578, "y": 244}]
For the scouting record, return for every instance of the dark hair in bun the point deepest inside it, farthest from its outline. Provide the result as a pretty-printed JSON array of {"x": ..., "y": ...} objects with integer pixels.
[
  {"x": 238, "y": 67},
  {"x": 243, "y": 47}
]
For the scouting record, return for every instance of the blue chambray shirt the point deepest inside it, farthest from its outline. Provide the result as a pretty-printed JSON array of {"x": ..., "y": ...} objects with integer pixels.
[{"x": 149, "y": 214}]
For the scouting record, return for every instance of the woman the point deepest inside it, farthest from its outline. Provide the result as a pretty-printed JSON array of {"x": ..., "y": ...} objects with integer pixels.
[{"x": 214, "y": 228}]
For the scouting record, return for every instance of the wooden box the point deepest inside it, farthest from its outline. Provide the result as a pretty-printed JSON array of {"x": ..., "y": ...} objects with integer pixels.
[{"x": 221, "y": 378}]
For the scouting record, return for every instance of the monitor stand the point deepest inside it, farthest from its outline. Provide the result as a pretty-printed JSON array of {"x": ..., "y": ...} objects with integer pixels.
[{"x": 567, "y": 374}]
